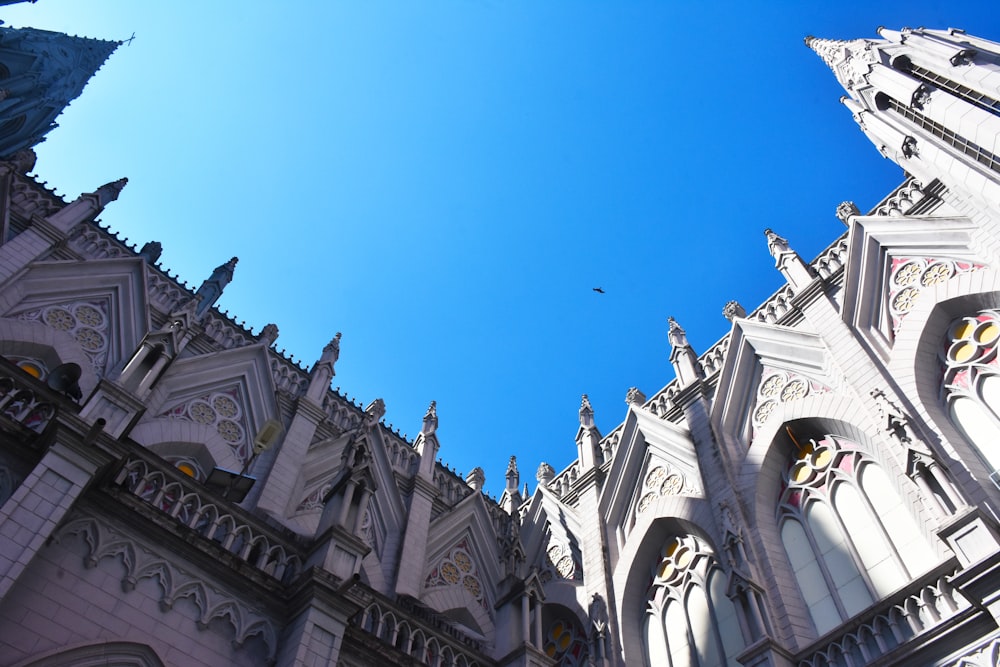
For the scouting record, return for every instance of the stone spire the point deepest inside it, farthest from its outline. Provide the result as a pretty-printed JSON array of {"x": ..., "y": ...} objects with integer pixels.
[
  {"x": 323, "y": 371},
  {"x": 430, "y": 419},
  {"x": 211, "y": 289},
  {"x": 586, "y": 412},
  {"x": 787, "y": 260},
  {"x": 512, "y": 476},
  {"x": 682, "y": 356},
  {"x": 47, "y": 70},
  {"x": 87, "y": 206}
]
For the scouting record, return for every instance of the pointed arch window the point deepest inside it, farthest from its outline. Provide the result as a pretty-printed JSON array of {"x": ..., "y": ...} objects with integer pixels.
[
  {"x": 689, "y": 620},
  {"x": 849, "y": 537},
  {"x": 971, "y": 383}
]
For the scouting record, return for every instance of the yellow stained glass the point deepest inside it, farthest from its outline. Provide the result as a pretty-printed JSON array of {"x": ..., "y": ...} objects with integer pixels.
[
  {"x": 963, "y": 329},
  {"x": 31, "y": 369},
  {"x": 187, "y": 469},
  {"x": 987, "y": 333},
  {"x": 963, "y": 352},
  {"x": 801, "y": 472},
  {"x": 822, "y": 457}
]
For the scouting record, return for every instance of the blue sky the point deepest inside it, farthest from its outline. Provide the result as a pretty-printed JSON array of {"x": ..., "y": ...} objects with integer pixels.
[{"x": 446, "y": 181}]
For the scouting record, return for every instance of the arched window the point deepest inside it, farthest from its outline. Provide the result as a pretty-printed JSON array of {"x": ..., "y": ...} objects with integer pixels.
[
  {"x": 971, "y": 382},
  {"x": 689, "y": 620},
  {"x": 849, "y": 538}
]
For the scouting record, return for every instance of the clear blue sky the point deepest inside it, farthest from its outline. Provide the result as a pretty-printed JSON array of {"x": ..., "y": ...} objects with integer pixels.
[{"x": 445, "y": 182}]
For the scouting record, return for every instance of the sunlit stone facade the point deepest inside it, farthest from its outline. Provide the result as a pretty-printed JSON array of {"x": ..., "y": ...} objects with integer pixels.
[{"x": 818, "y": 488}]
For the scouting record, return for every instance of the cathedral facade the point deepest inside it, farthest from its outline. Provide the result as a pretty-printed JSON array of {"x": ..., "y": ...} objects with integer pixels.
[{"x": 819, "y": 488}]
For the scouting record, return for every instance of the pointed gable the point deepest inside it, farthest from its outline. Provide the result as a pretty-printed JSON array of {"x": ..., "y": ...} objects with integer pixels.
[
  {"x": 100, "y": 306},
  {"x": 654, "y": 458},
  {"x": 228, "y": 395},
  {"x": 893, "y": 260},
  {"x": 767, "y": 366}
]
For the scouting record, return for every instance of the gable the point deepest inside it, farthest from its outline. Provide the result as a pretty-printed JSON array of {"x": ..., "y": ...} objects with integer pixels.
[
  {"x": 893, "y": 261},
  {"x": 229, "y": 393},
  {"x": 100, "y": 305},
  {"x": 767, "y": 366}
]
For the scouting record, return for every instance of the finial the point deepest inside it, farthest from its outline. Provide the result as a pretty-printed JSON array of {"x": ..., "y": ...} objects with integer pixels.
[
  {"x": 733, "y": 310},
  {"x": 430, "y": 419},
  {"x": 331, "y": 351},
  {"x": 476, "y": 479},
  {"x": 151, "y": 252},
  {"x": 845, "y": 210},
  {"x": 586, "y": 412},
  {"x": 23, "y": 160},
  {"x": 375, "y": 411},
  {"x": 775, "y": 244},
  {"x": 109, "y": 192},
  {"x": 545, "y": 473},
  {"x": 268, "y": 334},
  {"x": 634, "y": 397},
  {"x": 211, "y": 289},
  {"x": 677, "y": 335}
]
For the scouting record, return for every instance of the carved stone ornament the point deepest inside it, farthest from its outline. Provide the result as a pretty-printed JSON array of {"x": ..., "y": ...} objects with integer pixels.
[
  {"x": 845, "y": 210},
  {"x": 430, "y": 419},
  {"x": 909, "y": 147},
  {"x": 776, "y": 245},
  {"x": 733, "y": 310},
  {"x": 586, "y": 412},
  {"x": 139, "y": 563},
  {"x": 634, "y": 397},
  {"x": 677, "y": 335},
  {"x": 545, "y": 473}
]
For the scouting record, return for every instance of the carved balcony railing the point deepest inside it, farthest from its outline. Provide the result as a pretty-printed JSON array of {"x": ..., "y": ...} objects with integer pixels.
[
  {"x": 20, "y": 404},
  {"x": 419, "y": 633},
  {"x": 925, "y": 604},
  {"x": 208, "y": 517}
]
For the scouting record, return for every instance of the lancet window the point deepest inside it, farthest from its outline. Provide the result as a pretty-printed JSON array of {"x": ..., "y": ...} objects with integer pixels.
[
  {"x": 971, "y": 382},
  {"x": 689, "y": 620},
  {"x": 850, "y": 538}
]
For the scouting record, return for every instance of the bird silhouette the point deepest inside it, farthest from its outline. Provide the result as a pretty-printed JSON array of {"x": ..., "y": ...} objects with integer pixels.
[{"x": 599, "y": 290}]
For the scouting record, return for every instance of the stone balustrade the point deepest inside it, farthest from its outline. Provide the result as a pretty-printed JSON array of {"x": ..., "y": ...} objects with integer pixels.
[
  {"x": 208, "y": 517},
  {"x": 434, "y": 642},
  {"x": 928, "y": 602}
]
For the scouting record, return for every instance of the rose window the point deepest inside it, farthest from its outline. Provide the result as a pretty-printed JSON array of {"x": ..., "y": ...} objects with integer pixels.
[
  {"x": 937, "y": 273},
  {"x": 779, "y": 387},
  {"x": 89, "y": 339},
  {"x": 672, "y": 485},
  {"x": 89, "y": 316},
  {"x": 221, "y": 410},
  {"x": 458, "y": 568},
  {"x": 909, "y": 276},
  {"x": 202, "y": 413},
  {"x": 60, "y": 318},
  {"x": 449, "y": 572},
  {"x": 230, "y": 430}
]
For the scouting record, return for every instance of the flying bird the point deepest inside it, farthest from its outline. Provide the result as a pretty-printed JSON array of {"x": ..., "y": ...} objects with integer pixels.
[{"x": 599, "y": 290}]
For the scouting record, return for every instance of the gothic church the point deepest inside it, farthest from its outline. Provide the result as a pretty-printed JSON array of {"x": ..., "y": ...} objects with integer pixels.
[{"x": 820, "y": 488}]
